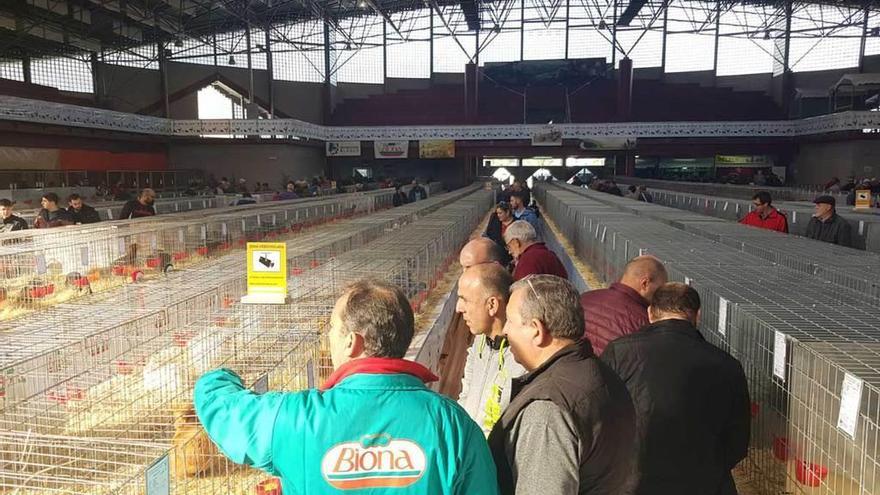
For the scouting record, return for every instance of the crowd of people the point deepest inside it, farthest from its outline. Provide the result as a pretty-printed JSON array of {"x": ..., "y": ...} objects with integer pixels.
[
  {"x": 52, "y": 214},
  {"x": 636, "y": 192},
  {"x": 835, "y": 186},
  {"x": 612, "y": 391}
]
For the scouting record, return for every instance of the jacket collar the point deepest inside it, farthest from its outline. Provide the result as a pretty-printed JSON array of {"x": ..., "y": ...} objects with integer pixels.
[
  {"x": 379, "y": 366},
  {"x": 630, "y": 293},
  {"x": 677, "y": 326},
  {"x": 581, "y": 349},
  {"x": 773, "y": 213},
  {"x": 539, "y": 245}
]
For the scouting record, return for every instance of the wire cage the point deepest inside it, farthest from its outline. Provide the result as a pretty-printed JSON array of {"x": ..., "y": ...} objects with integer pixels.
[
  {"x": 802, "y": 332},
  {"x": 96, "y": 393}
]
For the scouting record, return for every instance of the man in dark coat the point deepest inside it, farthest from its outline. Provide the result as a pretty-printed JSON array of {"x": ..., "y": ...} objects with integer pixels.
[
  {"x": 11, "y": 222},
  {"x": 827, "y": 226},
  {"x": 622, "y": 308},
  {"x": 691, "y": 399},
  {"x": 570, "y": 424},
  {"x": 52, "y": 215},
  {"x": 81, "y": 212},
  {"x": 140, "y": 207}
]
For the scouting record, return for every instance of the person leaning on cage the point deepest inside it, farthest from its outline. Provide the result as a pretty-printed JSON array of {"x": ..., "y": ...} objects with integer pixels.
[
  {"x": 11, "y": 222},
  {"x": 140, "y": 207},
  {"x": 81, "y": 212},
  {"x": 52, "y": 215},
  {"x": 765, "y": 216},
  {"x": 373, "y": 425},
  {"x": 827, "y": 226}
]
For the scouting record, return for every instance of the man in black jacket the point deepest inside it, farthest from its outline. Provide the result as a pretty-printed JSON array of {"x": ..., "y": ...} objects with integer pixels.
[
  {"x": 81, "y": 212},
  {"x": 140, "y": 207},
  {"x": 691, "y": 398},
  {"x": 570, "y": 424},
  {"x": 827, "y": 226},
  {"x": 11, "y": 222}
]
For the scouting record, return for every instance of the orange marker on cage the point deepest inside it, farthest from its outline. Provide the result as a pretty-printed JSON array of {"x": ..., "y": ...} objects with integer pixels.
[{"x": 271, "y": 486}]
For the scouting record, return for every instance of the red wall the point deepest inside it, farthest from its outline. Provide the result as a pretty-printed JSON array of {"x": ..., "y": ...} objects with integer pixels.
[{"x": 78, "y": 159}]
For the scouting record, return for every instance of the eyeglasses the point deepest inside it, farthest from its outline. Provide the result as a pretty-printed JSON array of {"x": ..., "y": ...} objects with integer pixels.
[{"x": 503, "y": 205}]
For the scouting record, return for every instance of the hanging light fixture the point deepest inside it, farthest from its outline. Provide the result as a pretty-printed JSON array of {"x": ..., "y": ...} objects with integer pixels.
[
  {"x": 766, "y": 35},
  {"x": 178, "y": 42},
  {"x": 231, "y": 60}
]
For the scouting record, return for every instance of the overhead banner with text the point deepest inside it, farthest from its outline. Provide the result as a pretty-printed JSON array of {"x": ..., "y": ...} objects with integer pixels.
[
  {"x": 391, "y": 149},
  {"x": 437, "y": 148},
  {"x": 343, "y": 148}
]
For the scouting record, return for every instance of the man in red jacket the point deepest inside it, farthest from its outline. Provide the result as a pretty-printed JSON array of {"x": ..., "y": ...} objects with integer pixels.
[
  {"x": 532, "y": 257},
  {"x": 622, "y": 309},
  {"x": 764, "y": 215}
]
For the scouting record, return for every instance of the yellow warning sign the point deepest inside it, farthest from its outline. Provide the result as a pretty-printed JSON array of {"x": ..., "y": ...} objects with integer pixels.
[
  {"x": 266, "y": 273},
  {"x": 863, "y": 198}
]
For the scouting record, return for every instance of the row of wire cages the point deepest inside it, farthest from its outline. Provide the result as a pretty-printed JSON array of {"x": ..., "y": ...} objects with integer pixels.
[
  {"x": 131, "y": 402},
  {"x": 809, "y": 347},
  {"x": 849, "y": 268},
  {"x": 43, "y": 268},
  {"x": 77, "y": 330},
  {"x": 864, "y": 226},
  {"x": 857, "y": 269}
]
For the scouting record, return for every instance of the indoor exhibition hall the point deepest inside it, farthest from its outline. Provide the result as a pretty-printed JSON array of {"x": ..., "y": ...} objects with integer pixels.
[{"x": 457, "y": 247}]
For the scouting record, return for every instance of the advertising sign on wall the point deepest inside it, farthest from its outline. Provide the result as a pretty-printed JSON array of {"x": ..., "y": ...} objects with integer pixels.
[
  {"x": 343, "y": 148},
  {"x": 743, "y": 161},
  {"x": 391, "y": 149},
  {"x": 437, "y": 148}
]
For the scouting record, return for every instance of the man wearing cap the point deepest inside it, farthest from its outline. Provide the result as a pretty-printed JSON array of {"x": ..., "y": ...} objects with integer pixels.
[{"x": 827, "y": 226}]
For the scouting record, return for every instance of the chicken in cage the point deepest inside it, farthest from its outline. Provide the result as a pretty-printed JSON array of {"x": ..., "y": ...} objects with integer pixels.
[{"x": 132, "y": 379}]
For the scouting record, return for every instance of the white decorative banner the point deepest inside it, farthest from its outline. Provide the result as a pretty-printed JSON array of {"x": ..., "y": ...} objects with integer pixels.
[
  {"x": 548, "y": 136},
  {"x": 391, "y": 149},
  {"x": 343, "y": 148}
]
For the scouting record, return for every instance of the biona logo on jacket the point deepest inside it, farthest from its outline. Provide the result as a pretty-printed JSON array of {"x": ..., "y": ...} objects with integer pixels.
[{"x": 374, "y": 461}]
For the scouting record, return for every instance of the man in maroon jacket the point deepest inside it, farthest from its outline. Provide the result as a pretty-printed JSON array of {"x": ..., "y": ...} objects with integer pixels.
[
  {"x": 532, "y": 257},
  {"x": 622, "y": 308}
]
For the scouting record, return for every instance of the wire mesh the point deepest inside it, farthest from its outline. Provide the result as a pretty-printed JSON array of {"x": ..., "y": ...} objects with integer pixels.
[
  {"x": 122, "y": 382},
  {"x": 797, "y": 330}
]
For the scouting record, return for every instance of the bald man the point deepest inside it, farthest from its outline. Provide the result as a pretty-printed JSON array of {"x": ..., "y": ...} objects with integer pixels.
[
  {"x": 483, "y": 291},
  {"x": 480, "y": 250},
  {"x": 622, "y": 309}
]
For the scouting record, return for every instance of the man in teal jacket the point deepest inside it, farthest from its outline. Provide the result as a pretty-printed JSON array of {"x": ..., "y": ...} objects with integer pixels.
[{"x": 373, "y": 428}]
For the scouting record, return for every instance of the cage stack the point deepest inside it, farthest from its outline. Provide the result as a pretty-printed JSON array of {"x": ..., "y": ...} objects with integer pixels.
[
  {"x": 807, "y": 341},
  {"x": 96, "y": 391}
]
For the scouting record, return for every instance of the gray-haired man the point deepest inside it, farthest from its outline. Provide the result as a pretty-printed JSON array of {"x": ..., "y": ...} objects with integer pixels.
[{"x": 570, "y": 425}]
